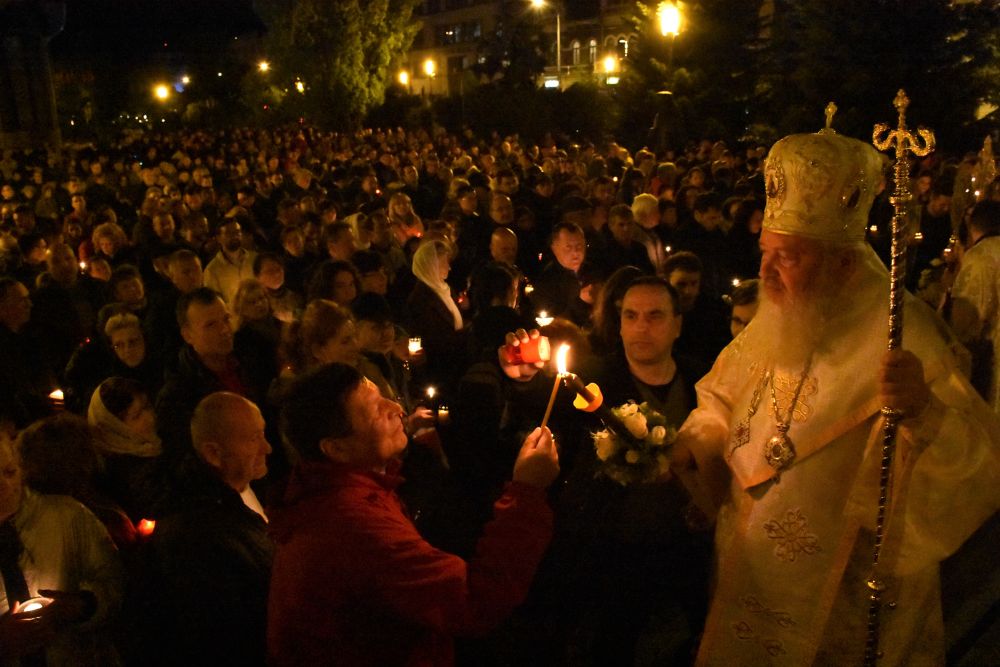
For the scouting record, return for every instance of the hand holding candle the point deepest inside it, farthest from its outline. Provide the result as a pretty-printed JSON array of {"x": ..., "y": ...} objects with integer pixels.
[{"x": 523, "y": 354}]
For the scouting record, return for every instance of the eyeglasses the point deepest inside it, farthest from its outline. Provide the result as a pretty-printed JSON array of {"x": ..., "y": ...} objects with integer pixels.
[{"x": 129, "y": 344}]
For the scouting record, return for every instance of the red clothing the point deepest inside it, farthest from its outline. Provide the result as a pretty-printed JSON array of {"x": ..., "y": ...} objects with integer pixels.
[{"x": 354, "y": 583}]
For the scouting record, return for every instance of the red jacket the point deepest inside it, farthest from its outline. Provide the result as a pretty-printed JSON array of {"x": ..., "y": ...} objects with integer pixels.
[{"x": 354, "y": 583}]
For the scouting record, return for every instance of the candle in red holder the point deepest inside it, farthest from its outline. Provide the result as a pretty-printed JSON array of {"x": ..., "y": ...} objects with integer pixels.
[{"x": 535, "y": 350}]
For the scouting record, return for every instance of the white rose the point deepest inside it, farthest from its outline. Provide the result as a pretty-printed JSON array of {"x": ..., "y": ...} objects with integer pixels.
[
  {"x": 632, "y": 456},
  {"x": 605, "y": 445},
  {"x": 629, "y": 409},
  {"x": 636, "y": 425},
  {"x": 658, "y": 435}
]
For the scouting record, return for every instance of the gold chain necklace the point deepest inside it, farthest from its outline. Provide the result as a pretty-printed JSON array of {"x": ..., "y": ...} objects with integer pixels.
[
  {"x": 741, "y": 434},
  {"x": 780, "y": 451}
]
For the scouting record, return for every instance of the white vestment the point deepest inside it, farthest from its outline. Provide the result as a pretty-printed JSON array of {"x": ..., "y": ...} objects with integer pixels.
[
  {"x": 795, "y": 548},
  {"x": 977, "y": 286}
]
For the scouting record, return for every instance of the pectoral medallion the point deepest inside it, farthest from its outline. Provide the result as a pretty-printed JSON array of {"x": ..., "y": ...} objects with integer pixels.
[{"x": 780, "y": 452}]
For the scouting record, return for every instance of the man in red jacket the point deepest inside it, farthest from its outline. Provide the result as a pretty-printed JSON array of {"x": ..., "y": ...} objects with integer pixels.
[{"x": 353, "y": 582}]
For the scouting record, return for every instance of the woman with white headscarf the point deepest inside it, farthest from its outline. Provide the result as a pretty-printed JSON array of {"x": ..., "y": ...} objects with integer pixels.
[{"x": 433, "y": 314}]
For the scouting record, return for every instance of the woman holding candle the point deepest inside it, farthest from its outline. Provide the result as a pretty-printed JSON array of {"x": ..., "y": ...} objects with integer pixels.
[{"x": 433, "y": 314}]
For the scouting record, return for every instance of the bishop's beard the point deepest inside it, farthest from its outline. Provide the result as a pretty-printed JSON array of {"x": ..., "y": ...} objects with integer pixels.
[{"x": 801, "y": 325}]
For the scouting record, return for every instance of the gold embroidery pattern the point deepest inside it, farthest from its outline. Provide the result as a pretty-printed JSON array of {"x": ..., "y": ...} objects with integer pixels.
[
  {"x": 793, "y": 536},
  {"x": 752, "y": 604},
  {"x": 784, "y": 390},
  {"x": 745, "y": 632}
]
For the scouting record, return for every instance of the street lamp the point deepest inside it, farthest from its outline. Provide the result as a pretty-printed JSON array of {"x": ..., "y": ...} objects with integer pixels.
[
  {"x": 539, "y": 5},
  {"x": 669, "y": 18},
  {"x": 264, "y": 66},
  {"x": 300, "y": 86},
  {"x": 430, "y": 67},
  {"x": 404, "y": 78},
  {"x": 161, "y": 91}
]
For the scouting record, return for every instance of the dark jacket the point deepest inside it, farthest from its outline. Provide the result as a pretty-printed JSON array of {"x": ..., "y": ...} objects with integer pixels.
[
  {"x": 184, "y": 389},
  {"x": 209, "y": 564},
  {"x": 429, "y": 318},
  {"x": 557, "y": 291}
]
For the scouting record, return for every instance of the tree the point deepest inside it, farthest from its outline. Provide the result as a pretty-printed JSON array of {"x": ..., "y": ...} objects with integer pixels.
[
  {"x": 858, "y": 53},
  {"x": 704, "y": 76},
  {"x": 331, "y": 59}
]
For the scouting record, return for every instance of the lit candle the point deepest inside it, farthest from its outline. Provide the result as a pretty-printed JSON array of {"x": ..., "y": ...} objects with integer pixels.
[
  {"x": 431, "y": 392},
  {"x": 667, "y": 249},
  {"x": 529, "y": 288},
  {"x": 736, "y": 282},
  {"x": 57, "y": 396},
  {"x": 560, "y": 371},
  {"x": 33, "y": 604},
  {"x": 919, "y": 236},
  {"x": 543, "y": 319},
  {"x": 83, "y": 266},
  {"x": 443, "y": 416},
  {"x": 415, "y": 345},
  {"x": 146, "y": 527}
]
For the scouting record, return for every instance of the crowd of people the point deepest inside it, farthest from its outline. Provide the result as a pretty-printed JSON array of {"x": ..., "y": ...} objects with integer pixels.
[{"x": 261, "y": 401}]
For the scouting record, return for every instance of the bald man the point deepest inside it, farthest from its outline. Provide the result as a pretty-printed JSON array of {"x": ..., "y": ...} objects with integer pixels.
[
  {"x": 503, "y": 245},
  {"x": 211, "y": 555}
]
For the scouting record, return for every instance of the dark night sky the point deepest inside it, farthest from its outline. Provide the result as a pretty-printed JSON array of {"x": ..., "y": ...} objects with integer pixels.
[{"x": 139, "y": 26}]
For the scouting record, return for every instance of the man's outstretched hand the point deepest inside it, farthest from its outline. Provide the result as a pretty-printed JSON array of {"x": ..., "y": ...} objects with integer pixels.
[{"x": 519, "y": 372}]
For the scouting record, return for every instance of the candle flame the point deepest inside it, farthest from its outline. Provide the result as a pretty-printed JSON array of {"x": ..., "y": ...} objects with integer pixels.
[
  {"x": 561, "y": 358},
  {"x": 146, "y": 527},
  {"x": 431, "y": 391}
]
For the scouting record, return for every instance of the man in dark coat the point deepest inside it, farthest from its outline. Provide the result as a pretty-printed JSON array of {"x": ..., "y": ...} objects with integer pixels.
[
  {"x": 210, "y": 555},
  {"x": 557, "y": 289}
]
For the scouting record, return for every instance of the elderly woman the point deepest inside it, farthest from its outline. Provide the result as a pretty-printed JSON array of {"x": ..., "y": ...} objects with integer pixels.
[
  {"x": 256, "y": 326},
  {"x": 109, "y": 242},
  {"x": 433, "y": 314},
  {"x": 120, "y": 351},
  {"x": 122, "y": 413}
]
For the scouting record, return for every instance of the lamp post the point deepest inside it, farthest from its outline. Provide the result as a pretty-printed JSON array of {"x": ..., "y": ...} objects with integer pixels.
[
  {"x": 668, "y": 18},
  {"x": 540, "y": 4}
]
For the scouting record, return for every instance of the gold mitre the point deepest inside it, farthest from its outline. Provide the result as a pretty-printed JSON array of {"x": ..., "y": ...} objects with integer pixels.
[{"x": 821, "y": 186}]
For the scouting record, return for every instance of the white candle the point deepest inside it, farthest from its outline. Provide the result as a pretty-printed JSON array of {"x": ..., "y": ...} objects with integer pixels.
[{"x": 415, "y": 345}]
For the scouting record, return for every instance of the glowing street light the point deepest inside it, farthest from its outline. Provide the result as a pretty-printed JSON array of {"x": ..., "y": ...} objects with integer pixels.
[
  {"x": 539, "y": 5},
  {"x": 300, "y": 86},
  {"x": 610, "y": 64},
  {"x": 264, "y": 66},
  {"x": 185, "y": 79},
  {"x": 404, "y": 78},
  {"x": 669, "y": 18},
  {"x": 430, "y": 67},
  {"x": 161, "y": 91}
]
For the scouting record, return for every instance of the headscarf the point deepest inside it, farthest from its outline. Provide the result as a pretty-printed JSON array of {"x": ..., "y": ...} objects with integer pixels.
[
  {"x": 425, "y": 268},
  {"x": 116, "y": 436}
]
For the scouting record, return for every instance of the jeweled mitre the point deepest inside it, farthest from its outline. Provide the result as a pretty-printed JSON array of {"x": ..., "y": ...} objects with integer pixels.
[{"x": 821, "y": 186}]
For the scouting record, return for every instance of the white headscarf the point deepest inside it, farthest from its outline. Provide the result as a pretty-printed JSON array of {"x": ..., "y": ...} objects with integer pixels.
[
  {"x": 425, "y": 268},
  {"x": 116, "y": 436}
]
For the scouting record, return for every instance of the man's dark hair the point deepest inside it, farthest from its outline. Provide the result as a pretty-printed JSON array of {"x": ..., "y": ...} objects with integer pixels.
[
  {"x": 683, "y": 261},
  {"x": 121, "y": 274},
  {"x": 182, "y": 255},
  {"x": 985, "y": 217},
  {"x": 656, "y": 281},
  {"x": 334, "y": 231},
  {"x": 745, "y": 293},
  {"x": 490, "y": 281},
  {"x": 705, "y": 202},
  {"x": 316, "y": 408},
  {"x": 570, "y": 227},
  {"x": 367, "y": 261},
  {"x": 203, "y": 296},
  {"x": 258, "y": 261},
  {"x": 620, "y": 212}
]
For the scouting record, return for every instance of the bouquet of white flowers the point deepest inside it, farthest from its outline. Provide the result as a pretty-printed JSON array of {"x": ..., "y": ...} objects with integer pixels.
[{"x": 637, "y": 447}]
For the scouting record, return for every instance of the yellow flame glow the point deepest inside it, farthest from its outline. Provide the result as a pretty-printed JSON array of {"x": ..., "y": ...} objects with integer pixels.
[{"x": 561, "y": 358}]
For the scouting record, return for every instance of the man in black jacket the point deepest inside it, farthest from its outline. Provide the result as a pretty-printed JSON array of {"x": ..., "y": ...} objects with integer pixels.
[
  {"x": 207, "y": 363},
  {"x": 557, "y": 289},
  {"x": 210, "y": 555}
]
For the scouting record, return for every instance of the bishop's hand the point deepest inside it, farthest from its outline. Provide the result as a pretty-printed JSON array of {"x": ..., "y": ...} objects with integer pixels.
[{"x": 901, "y": 383}]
